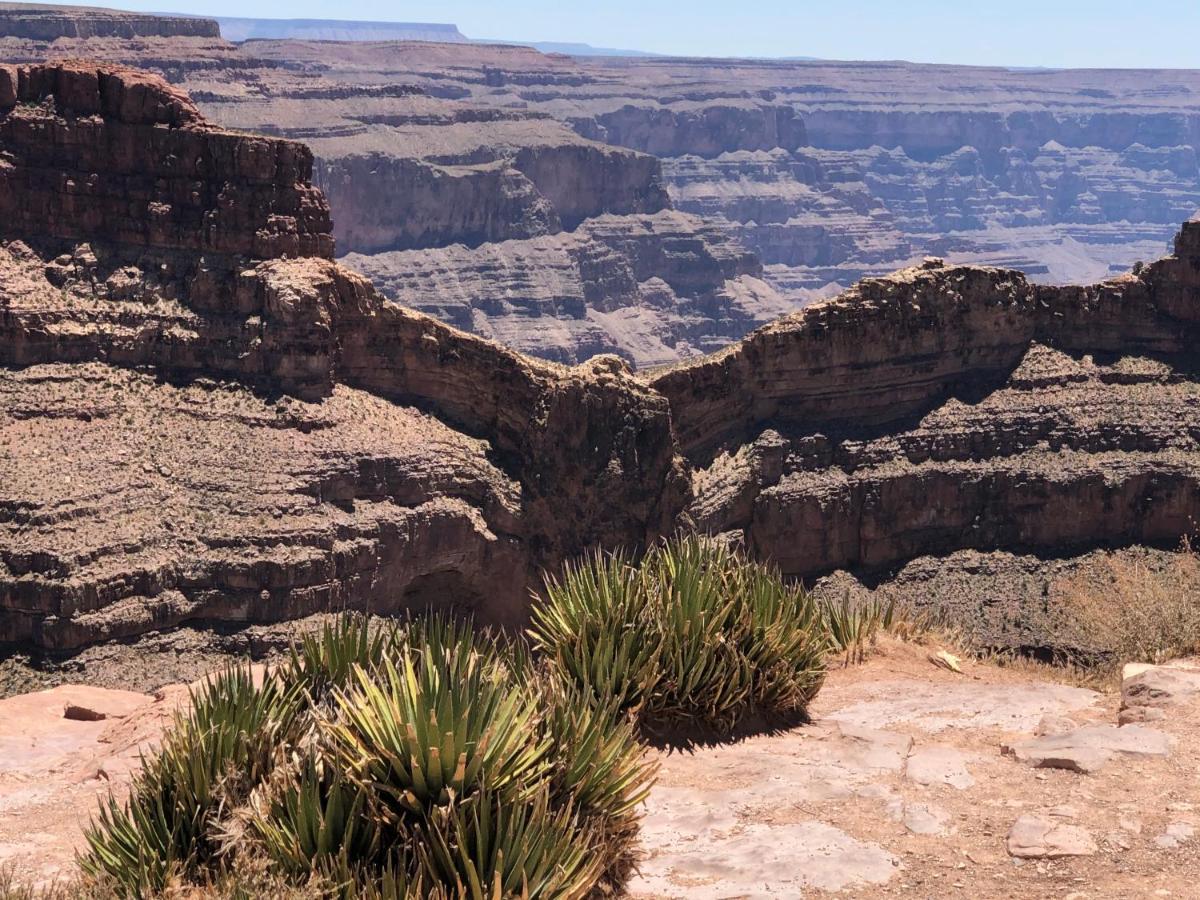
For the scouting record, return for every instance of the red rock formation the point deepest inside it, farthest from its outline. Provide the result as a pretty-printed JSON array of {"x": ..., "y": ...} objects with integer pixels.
[
  {"x": 420, "y": 465},
  {"x": 98, "y": 150}
]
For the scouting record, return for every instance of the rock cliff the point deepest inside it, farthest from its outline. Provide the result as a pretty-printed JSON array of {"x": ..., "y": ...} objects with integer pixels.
[
  {"x": 205, "y": 418},
  {"x": 48, "y": 23},
  {"x": 946, "y": 409},
  {"x": 828, "y": 172},
  {"x": 412, "y": 163}
]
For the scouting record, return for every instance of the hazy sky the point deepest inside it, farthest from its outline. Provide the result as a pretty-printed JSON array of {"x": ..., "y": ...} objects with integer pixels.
[{"x": 1093, "y": 33}]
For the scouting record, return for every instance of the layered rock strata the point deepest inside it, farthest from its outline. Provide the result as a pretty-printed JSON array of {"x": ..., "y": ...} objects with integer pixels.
[
  {"x": 49, "y": 23},
  {"x": 947, "y": 409},
  {"x": 411, "y": 167},
  {"x": 226, "y": 425},
  {"x": 221, "y": 424}
]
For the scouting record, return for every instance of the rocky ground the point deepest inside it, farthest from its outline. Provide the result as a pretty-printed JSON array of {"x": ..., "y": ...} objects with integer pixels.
[
  {"x": 912, "y": 780},
  {"x": 916, "y": 781}
]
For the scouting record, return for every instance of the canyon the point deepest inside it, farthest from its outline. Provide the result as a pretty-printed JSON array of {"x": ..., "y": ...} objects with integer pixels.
[
  {"x": 699, "y": 198},
  {"x": 207, "y": 420},
  {"x": 290, "y": 327}
]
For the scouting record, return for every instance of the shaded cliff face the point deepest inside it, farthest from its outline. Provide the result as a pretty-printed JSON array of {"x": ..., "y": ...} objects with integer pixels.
[
  {"x": 949, "y": 409},
  {"x": 218, "y": 423}
]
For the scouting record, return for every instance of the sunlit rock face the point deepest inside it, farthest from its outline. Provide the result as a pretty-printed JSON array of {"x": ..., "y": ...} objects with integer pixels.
[{"x": 470, "y": 159}]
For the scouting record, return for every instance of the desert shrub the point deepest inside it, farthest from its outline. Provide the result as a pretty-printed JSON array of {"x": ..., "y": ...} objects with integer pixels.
[
  {"x": 855, "y": 626},
  {"x": 210, "y": 759},
  {"x": 1125, "y": 609},
  {"x": 321, "y": 661},
  {"x": 695, "y": 633},
  {"x": 599, "y": 632},
  {"x": 419, "y": 760},
  {"x": 430, "y": 760}
]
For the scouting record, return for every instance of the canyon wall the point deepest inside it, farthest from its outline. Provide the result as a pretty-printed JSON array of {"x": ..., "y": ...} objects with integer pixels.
[
  {"x": 235, "y": 428},
  {"x": 945, "y": 411},
  {"x": 48, "y": 23},
  {"x": 208, "y": 419},
  {"x": 827, "y": 172}
]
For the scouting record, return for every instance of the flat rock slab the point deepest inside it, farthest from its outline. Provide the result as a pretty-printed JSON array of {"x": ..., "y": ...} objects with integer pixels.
[
  {"x": 1089, "y": 748},
  {"x": 1048, "y": 837},
  {"x": 920, "y": 818},
  {"x": 938, "y": 706},
  {"x": 875, "y": 748},
  {"x": 936, "y": 764},
  {"x": 1156, "y": 687},
  {"x": 1177, "y": 833},
  {"x": 38, "y": 735},
  {"x": 764, "y": 863}
]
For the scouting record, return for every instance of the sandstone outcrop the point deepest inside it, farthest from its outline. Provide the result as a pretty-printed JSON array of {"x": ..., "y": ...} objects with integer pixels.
[
  {"x": 221, "y": 424},
  {"x": 946, "y": 422},
  {"x": 947, "y": 409},
  {"x": 184, "y": 186}
]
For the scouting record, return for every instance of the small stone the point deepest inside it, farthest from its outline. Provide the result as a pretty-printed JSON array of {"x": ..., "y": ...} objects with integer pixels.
[
  {"x": 1159, "y": 686},
  {"x": 77, "y": 713},
  {"x": 920, "y": 818},
  {"x": 1041, "y": 837},
  {"x": 1177, "y": 833},
  {"x": 1136, "y": 714},
  {"x": 1120, "y": 841},
  {"x": 938, "y": 764},
  {"x": 1051, "y": 724}
]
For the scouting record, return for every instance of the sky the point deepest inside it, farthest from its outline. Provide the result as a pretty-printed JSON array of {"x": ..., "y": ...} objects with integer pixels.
[{"x": 1054, "y": 33}]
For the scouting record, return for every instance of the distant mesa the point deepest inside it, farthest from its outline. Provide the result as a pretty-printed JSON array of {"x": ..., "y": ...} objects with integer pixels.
[
  {"x": 239, "y": 29},
  {"x": 48, "y": 23}
]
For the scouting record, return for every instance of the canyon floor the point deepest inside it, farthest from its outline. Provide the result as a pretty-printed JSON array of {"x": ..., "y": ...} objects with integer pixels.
[{"x": 912, "y": 780}]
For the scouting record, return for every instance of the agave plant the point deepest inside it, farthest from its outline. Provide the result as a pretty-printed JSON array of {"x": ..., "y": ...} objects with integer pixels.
[
  {"x": 322, "y": 661},
  {"x": 315, "y": 820},
  {"x": 437, "y": 723},
  {"x": 784, "y": 637},
  {"x": 698, "y": 632},
  {"x": 854, "y": 626},
  {"x": 598, "y": 627},
  {"x": 426, "y": 760},
  {"x": 705, "y": 676},
  {"x": 601, "y": 768},
  {"x": 488, "y": 848},
  {"x": 210, "y": 758}
]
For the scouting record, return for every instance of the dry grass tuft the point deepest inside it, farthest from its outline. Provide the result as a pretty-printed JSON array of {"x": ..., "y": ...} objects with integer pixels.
[{"x": 1123, "y": 610}]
